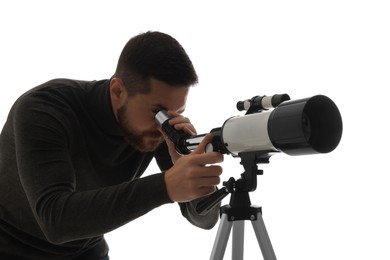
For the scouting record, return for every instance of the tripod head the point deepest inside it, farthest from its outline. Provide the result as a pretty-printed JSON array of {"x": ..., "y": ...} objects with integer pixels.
[{"x": 246, "y": 183}]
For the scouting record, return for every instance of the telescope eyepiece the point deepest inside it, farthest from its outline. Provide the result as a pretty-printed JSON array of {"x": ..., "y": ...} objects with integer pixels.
[{"x": 177, "y": 137}]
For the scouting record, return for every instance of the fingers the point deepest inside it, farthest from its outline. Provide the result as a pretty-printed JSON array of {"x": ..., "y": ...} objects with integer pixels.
[
  {"x": 171, "y": 148},
  {"x": 181, "y": 123},
  {"x": 205, "y": 172},
  {"x": 193, "y": 176},
  {"x": 191, "y": 182},
  {"x": 202, "y": 158},
  {"x": 202, "y": 146}
]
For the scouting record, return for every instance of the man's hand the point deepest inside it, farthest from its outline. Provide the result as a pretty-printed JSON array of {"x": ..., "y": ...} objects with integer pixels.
[{"x": 194, "y": 175}]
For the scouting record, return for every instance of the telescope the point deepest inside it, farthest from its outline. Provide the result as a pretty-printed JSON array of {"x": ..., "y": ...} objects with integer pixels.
[{"x": 271, "y": 124}]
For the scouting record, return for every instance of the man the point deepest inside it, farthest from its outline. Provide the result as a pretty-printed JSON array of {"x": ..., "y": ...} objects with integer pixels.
[{"x": 72, "y": 154}]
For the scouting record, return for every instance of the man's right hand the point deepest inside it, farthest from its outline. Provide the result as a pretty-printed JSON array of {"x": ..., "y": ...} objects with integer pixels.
[{"x": 194, "y": 175}]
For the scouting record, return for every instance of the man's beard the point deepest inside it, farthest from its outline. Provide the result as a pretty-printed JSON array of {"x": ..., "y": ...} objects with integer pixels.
[{"x": 144, "y": 142}]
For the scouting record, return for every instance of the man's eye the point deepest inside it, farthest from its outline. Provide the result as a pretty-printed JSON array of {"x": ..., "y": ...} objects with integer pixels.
[{"x": 155, "y": 111}]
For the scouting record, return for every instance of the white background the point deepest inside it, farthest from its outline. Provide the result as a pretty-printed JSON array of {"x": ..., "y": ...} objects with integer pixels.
[{"x": 332, "y": 206}]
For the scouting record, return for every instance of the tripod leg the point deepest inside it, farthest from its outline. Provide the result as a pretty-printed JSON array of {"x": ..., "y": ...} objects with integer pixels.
[
  {"x": 238, "y": 240},
  {"x": 221, "y": 239},
  {"x": 263, "y": 238}
]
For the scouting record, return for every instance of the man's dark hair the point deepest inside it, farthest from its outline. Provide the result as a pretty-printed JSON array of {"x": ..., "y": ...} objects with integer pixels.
[{"x": 154, "y": 55}]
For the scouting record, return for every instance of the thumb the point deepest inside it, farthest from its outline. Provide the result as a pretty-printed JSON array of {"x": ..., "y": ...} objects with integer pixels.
[{"x": 202, "y": 146}]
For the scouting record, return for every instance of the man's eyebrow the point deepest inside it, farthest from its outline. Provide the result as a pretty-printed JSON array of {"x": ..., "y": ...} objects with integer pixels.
[
  {"x": 161, "y": 107},
  {"x": 181, "y": 111}
]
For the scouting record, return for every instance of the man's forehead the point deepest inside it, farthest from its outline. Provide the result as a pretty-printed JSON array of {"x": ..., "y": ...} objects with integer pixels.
[{"x": 168, "y": 97}]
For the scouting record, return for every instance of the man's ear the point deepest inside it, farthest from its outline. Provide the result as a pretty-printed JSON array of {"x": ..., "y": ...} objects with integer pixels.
[{"x": 118, "y": 94}]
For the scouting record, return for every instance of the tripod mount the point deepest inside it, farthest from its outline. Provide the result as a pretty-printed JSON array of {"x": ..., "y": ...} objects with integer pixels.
[{"x": 240, "y": 210}]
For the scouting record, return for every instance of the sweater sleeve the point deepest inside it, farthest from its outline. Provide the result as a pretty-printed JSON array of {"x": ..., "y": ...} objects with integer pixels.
[
  {"x": 188, "y": 209},
  {"x": 48, "y": 177}
]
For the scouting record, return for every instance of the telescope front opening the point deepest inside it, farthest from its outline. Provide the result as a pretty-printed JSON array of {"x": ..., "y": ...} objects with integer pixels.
[
  {"x": 325, "y": 124},
  {"x": 306, "y": 126}
]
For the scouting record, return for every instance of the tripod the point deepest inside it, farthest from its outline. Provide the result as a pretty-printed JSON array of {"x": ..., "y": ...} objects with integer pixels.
[
  {"x": 234, "y": 215},
  {"x": 239, "y": 210}
]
